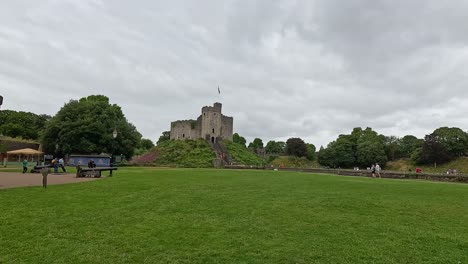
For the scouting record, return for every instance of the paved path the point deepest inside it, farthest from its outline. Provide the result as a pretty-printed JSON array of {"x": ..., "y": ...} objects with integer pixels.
[{"x": 14, "y": 179}]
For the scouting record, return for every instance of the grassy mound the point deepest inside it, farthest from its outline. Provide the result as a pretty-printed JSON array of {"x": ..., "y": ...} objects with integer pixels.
[
  {"x": 242, "y": 155},
  {"x": 459, "y": 164},
  {"x": 294, "y": 162},
  {"x": 184, "y": 153}
]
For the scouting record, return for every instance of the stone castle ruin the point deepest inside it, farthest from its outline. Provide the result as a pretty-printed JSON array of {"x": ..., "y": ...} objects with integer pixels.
[{"x": 211, "y": 125}]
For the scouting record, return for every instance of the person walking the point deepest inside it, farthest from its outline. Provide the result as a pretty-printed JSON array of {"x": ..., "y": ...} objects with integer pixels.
[
  {"x": 55, "y": 164},
  {"x": 377, "y": 170},
  {"x": 62, "y": 165},
  {"x": 373, "y": 170},
  {"x": 25, "y": 166}
]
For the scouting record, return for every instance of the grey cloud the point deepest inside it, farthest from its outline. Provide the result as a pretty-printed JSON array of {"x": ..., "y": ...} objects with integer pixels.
[{"x": 313, "y": 69}]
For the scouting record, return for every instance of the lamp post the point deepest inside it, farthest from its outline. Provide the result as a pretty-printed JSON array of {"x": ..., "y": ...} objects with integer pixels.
[{"x": 114, "y": 136}]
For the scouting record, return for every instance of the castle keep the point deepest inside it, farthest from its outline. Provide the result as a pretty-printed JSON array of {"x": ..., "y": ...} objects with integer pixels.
[{"x": 211, "y": 125}]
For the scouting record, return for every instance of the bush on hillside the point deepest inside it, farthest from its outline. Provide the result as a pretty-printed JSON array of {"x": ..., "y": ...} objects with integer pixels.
[
  {"x": 294, "y": 162},
  {"x": 184, "y": 153},
  {"x": 241, "y": 155}
]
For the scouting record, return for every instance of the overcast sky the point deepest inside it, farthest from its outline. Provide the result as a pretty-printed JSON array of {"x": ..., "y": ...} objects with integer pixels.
[{"x": 309, "y": 69}]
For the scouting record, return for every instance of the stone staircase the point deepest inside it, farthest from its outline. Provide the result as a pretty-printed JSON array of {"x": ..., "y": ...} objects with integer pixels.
[{"x": 222, "y": 153}]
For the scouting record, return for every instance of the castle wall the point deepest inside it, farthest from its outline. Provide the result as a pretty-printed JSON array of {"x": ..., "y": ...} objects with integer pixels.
[
  {"x": 211, "y": 124},
  {"x": 187, "y": 129},
  {"x": 227, "y": 127}
]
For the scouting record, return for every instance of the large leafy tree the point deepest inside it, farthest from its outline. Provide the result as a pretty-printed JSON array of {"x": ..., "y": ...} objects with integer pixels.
[
  {"x": 257, "y": 143},
  {"x": 86, "y": 127},
  {"x": 370, "y": 148},
  {"x": 362, "y": 147},
  {"x": 338, "y": 153},
  {"x": 275, "y": 147},
  {"x": 433, "y": 151},
  {"x": 236, "y": 138},
  {"x": 311, "y": 151},
  {"x": 165, "y": 136},
  {"x": 454, "y": 140},
  {"x": 296, "y": 147},
  {"x": 409, "y": 144},
  {"x": 146, "y": 144},
  {"x": 392, "y": 146},
  {"x": 22, "y": 124}
]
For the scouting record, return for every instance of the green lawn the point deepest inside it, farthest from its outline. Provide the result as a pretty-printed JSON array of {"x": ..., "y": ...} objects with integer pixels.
[{"x": 144, "y": 215}]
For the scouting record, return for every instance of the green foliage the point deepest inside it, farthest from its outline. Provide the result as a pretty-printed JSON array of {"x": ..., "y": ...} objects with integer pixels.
[
  {"x": 433, "y": 151},
  {"x": 311, "y": 151},
  {"x": 236, "y": 138},
  {"x": 184, "y": 153},
  {"x": 294, "y": 162},
  {"x": 454, "y": 140},
  {"x": 241, "y": 155},
  {"x": 257, "y": 143},
  {"x": 296, "y": 147},
  {"x": 146, "y": 144},
  {"x": 408, "y": 144},
  {"x": 361, "y": 148},
  {"x": 460, "y": 164},
  {"x": 275, "y": 147},
  {"x": 22, "y": 124},
  {"x": 166, "y": 136},
  {"x": 86, "y": 127}
]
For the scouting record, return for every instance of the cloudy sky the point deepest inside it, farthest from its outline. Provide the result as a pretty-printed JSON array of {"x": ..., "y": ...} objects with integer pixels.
[{"x": 312, "y": 69}]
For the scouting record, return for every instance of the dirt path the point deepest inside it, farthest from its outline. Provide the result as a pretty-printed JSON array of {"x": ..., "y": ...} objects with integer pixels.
[{"x": 14, "y": 179}]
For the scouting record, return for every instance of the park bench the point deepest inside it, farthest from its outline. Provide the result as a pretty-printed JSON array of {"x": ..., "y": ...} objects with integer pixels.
[
  {"x": 38, "y": 168},
  {"x": 93, "y": 172}
]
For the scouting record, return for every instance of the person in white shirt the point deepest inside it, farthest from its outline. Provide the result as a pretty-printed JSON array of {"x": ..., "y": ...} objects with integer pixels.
[
  {"x": 377, "y": 170},
  {"x": 62, "y": 164}
]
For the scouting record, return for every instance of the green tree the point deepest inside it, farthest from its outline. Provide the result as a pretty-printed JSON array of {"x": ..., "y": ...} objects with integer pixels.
[
  {"x": 310, "y": 151},
  {"x": 409, "y": 144},
  {"x": 146, "y": 144},
  {"x": 86, "y": 127},
  {"x": 454, "y": 140},
  {"x": 392, "y": 146},
  {"x": 166, "y": 136},
  {"x": 22, "y": 124},
  {"x": 343, "y": 151},
  {"x": 326, "y": 157},
  {"x": 274, "y": 147},
  {"x": 256, "y": 144},
  {"x": 433, "y": 151},
  {"x": 370, "y": 148},
  {"x": 236, "y": 138},
  {"x": 362, "y": 147},
  {"x": 296, "y": 147}
]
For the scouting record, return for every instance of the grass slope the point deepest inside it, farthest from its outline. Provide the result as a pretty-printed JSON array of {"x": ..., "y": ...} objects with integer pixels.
[
  {"x": 460, "y": 164},
  {"x": 184, "y": 153},
  {"x": 222, "y": 216},
  {"x": 294, "y": 162},
  {"x": 242, "y": 155}
]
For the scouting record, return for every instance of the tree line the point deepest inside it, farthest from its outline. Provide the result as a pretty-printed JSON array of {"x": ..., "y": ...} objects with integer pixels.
[
  {"x": 363, "y": 147},
  {"x": 84, "y": 126}
]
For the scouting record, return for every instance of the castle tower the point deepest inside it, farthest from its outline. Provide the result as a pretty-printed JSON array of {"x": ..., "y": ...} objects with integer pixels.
[{"x": 211, "y": 124}]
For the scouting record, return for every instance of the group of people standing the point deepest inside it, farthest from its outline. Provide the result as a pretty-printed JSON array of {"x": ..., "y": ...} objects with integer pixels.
[
  {"x": 375, "y": 169},
  {"x": 58, "y": 163}
]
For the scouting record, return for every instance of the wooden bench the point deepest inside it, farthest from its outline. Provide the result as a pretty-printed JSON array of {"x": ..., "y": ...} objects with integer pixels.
[{"x": 93, "y": 172}]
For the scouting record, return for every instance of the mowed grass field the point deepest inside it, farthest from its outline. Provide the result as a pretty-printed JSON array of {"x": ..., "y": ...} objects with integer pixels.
[{"x": 145, "y": 215}]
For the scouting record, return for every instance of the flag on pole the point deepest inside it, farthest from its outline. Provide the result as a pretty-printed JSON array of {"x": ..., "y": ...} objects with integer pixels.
[{"x": 219, "y": 91}]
